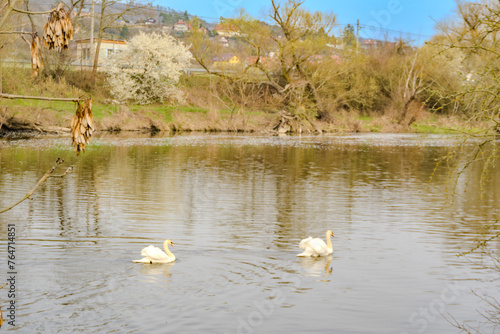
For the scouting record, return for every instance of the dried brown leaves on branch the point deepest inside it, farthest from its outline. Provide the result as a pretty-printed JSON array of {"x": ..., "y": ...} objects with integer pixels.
[
  {"x": 36, "y": 54},
  {"x": 58, "y": 30},
  {"x": 82, "y": 125}
]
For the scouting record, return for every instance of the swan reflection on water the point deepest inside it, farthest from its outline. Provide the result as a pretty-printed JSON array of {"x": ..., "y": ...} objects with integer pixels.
[
  {"x": 317, "y": 266},
  {"x": 156, "y": 269}
]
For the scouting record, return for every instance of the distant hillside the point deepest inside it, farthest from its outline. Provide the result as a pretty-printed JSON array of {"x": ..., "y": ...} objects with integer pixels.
[
  {"x": 169, "y": 16},
  {"x": 164, "y": 15}
]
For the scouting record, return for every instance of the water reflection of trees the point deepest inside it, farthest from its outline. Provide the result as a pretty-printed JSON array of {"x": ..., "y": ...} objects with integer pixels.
[{"x": 289, "y": 191}]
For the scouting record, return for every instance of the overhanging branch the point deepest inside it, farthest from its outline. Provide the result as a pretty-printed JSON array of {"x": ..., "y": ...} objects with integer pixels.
[
  {"x": 29, "y": 193},
  {"x": 69, "y": 99}
]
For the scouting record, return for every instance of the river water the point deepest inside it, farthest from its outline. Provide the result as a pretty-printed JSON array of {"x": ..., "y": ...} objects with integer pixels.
[{"x": 236, "y": 207}]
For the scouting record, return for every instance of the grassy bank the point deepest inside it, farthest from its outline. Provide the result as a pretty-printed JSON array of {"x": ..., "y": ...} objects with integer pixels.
[
  {"x": 203, "y": 110},
  {"x": 44, "y": 116}
]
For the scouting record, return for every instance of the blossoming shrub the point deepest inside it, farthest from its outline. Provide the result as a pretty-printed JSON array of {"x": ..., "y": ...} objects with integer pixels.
[{"x": 148, "y": 70}]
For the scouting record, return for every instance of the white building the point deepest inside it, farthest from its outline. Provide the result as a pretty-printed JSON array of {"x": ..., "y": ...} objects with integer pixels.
[{"x": 107, "y": 48}]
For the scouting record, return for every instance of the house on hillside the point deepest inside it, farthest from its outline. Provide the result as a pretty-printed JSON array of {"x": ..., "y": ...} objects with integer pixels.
[
  {"x": 226, "y": 59},
  {"x": 221, "y": 40},
  {"x": 182, "y": 26},
  {"x": 315, "y": 59},
  {"x": 83, "y": 13},
  {"x": 372, "y": 44},
  {"x": 120, "y": 22},
  {"x": 227, "y": 30},
  {"x": 336, "y": 58},
  {"x": 149, "y": 21},
  {"x": 369, "y": 44},
  {"x": 107, "y": 48}
]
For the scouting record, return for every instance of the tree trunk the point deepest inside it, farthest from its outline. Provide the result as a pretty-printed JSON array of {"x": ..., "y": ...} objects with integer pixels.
[
  {"x": 96, "y": 58},
  {"x": 99, "y": 39},
  {"x": 314, "y": 96}
]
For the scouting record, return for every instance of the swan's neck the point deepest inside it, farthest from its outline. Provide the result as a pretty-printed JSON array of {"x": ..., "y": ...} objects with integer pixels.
[
  {"x": 329, "y": 241},
  {"x": 169, "y": 253}
]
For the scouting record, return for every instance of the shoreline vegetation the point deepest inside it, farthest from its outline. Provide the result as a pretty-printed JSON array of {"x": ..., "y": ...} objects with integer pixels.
[
  {"x": 202, "y": 111},
  {"x": 51, "y": 118}
]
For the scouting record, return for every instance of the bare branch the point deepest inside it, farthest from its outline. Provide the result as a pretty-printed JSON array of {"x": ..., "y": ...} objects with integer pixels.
[
  {"x": 31, "y": 13},
  {"x": 29, "y": 193},
  {"x": 11, "y": 96}
]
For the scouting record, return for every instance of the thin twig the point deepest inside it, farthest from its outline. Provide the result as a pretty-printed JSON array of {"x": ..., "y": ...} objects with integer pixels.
[
  {"x": 17, "y": 32},
  {"x": 58, "y": 162}
]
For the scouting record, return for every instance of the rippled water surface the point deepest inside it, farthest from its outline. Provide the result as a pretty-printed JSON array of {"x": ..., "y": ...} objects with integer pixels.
[{"x": 236, "y": 208}]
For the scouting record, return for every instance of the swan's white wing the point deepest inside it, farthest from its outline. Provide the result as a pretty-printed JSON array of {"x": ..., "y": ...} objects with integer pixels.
[
  {"x": 319, "y": 246},
  {"x": 154, "y": 253},
  {"x": 305, "y": 243},
  {"x": 308, "y": 251}
]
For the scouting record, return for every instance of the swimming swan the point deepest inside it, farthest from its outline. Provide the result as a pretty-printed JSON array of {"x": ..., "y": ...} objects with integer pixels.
[
  {"x": 316, "y": 246},
  {"x": 153, "y": 254}
]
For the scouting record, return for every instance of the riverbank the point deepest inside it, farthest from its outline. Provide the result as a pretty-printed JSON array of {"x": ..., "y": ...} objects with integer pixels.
[
  {"x": 55, "y": 117},
  {"x": 204, "y": 109}
]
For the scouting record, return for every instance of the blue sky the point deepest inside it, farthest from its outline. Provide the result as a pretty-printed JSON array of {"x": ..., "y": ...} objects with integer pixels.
[{"x": 415, "y": 16}]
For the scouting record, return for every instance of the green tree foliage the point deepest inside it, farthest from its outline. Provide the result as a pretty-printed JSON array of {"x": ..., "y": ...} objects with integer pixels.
[
  {"x": 124, "y": 32},
  {"x": 171, "y": 16},
  {"x": 472, "y": 39},
  {"x": 348, "y": 35}
]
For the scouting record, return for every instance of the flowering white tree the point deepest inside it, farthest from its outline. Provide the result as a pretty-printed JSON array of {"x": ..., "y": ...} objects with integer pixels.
[{"x": 149, "y": 69}]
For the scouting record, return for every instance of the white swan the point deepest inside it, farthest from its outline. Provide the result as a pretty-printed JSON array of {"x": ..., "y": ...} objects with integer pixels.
[
  {"x": 316, "y": 246},
  {"x": 153, "y": 254}
]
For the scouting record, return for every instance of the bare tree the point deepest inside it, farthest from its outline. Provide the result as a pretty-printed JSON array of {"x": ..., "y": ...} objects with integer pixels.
[
  {"x": 475, "y": 34},
  {"x": 279, "y": 53},
  {"x": 110, "y": 12}
]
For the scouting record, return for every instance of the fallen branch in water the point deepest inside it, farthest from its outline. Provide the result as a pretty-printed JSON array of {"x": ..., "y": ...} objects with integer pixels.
[
  {"x": 68, "y": 170},
  {"x": 28, "y": 195}
]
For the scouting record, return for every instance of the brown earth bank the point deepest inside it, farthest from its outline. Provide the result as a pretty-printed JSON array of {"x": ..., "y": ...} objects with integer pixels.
[{"x": 56, "y": 119}]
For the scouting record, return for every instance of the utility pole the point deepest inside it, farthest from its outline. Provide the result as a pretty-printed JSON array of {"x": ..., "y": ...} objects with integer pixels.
[
  {"x": 357, "y": 36},
  {"x": 91, "y": 50}
]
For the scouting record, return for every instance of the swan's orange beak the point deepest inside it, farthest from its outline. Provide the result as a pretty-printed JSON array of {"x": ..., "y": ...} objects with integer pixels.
[{"x": 172, "y": 244}]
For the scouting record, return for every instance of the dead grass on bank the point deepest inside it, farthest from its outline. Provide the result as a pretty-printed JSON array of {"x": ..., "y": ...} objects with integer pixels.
[
  {"x": 16, "y": 80},
  {"x": 147, "y": 119},
  {"x": 221, "y": 121},
  {"x": 33, "y": 118},
  {"x": 418, "y": 120},
  {"x": 126, "y": 120}
]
